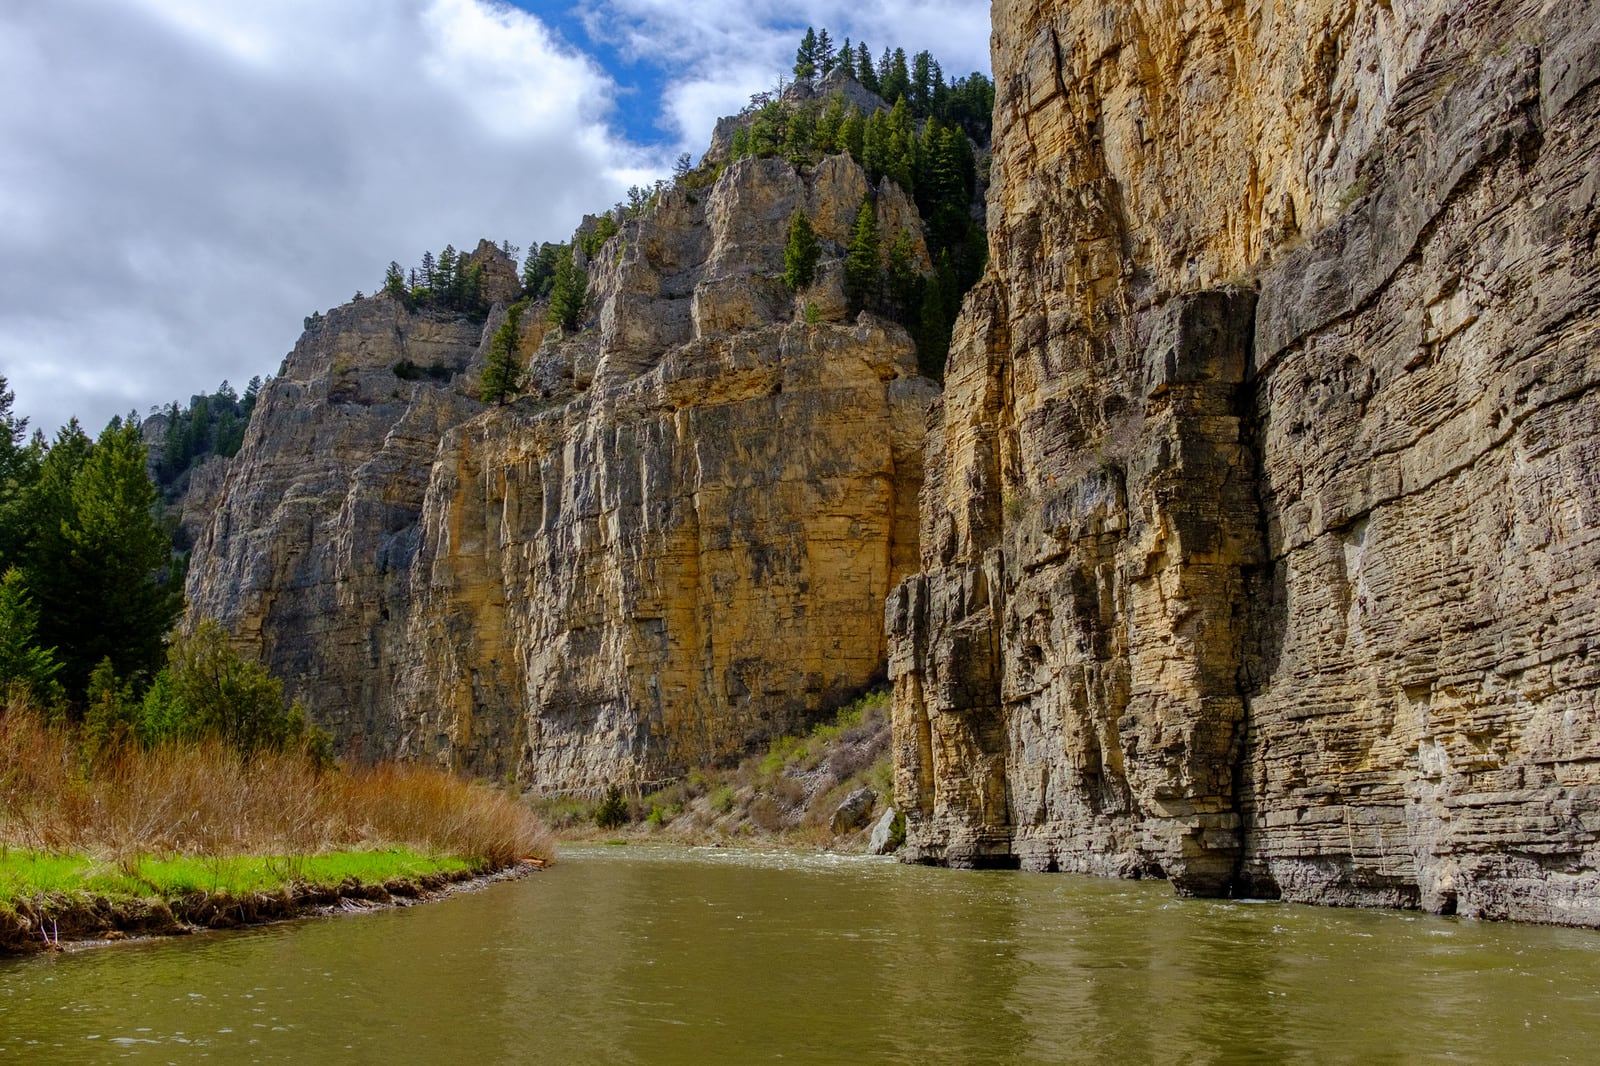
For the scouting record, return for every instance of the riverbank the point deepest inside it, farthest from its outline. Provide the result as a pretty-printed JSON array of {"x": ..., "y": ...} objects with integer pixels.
[
  {"x": 53, "y": 903},
  {"x": 167, "y": 839}
]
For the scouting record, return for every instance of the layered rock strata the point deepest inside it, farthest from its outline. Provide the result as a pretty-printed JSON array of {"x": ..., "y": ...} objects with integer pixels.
[
  {"x": 1261, "y": 528},
  {"x": 676, "y": 544}
]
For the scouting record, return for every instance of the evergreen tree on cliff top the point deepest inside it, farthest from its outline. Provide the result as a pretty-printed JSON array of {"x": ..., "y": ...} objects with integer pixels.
[{"x": 805, "y": 58}]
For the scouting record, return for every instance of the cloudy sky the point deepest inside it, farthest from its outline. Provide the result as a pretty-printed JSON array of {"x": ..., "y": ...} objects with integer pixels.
[{"x": 183, "y": 181}]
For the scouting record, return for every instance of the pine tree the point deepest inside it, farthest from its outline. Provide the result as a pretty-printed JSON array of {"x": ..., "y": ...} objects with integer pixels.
[
  {"x": 825, "y": 56},
  {"x": 941, "y": 301},
  {"x": 875, "y": 146},
  {"x": 801, "y": 254},
  {"x": 252, "y": 394},
  {"x": 502, "y": 374},
  {"x": 864, "y": 71},
  {"x": 444, "y": 273},
  {"x": 922, "y": 79},
  {"x": 19, "y": 469},
  {"x": 800, "y": 134},
  {"x": 394, "y": 282},
  {"x": 468, "y": 291},
  {"x": 899, "y": 147},
  {"x": 22, "y": 661},
  {"x": 530, "y": 269},
  {"x": 427, "y": 270},
  {"x": 861, "y": 268},
  {"x": 893, "y": 76},
  {"x": 805, "y": 59},
  {"x": 99, "y": 572},
  {"x": 905, "y": 288},
  {"x": 569, "y": 291},
  {"x": 847, "y": 59},
  {"x": 830, "y": 125},
  {"x": 852, "y": 136}
]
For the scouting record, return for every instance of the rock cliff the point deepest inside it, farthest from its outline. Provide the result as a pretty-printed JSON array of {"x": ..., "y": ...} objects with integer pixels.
[
  {"x": 674, "y": 545},
  {"x": 1261, "y": 527}
]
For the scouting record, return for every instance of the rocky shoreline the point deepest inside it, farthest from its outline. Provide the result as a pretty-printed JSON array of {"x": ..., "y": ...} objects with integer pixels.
[{"x": 60, "y": 922}]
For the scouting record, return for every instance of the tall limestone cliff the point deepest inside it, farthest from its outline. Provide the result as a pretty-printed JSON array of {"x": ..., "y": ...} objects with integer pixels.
[
  {"x": 675, "y": 544},
  {"x": 1261, "y": 524}
]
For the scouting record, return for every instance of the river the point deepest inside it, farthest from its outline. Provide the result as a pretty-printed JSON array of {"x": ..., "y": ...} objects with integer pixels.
[{"x": 669, "y": 955}]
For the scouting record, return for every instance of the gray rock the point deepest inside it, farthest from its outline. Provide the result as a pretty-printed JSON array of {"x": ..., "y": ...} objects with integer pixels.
[
  {"x": 853, "y": 812},
  {"x": 883, "y": 834}
]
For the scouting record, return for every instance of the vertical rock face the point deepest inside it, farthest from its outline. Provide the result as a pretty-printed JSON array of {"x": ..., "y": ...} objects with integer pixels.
[
  {"x": 675, "y": 545},
  {"x": 1260, "y": 527}
]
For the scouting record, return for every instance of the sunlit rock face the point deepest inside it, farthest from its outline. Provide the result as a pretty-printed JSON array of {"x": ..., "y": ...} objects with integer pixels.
[
  {"x": 676, "y": 544},
  {"x": 1260, "y": 530}
]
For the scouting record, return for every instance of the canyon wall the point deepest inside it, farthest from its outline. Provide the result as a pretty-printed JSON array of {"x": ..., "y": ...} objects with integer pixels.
[
  {"x": 1261, "y": 528},
  {"x": 675, "y": 545}
]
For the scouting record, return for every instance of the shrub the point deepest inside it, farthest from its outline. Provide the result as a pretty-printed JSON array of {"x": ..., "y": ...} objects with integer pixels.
[
  {"x": 201, "y": 798},
  {"x": 613, "y": 810},
  {"x": 211, "y": 690}
]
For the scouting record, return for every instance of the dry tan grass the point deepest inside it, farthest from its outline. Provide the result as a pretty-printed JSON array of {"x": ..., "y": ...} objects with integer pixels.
[{"x": 204, "y": 799}]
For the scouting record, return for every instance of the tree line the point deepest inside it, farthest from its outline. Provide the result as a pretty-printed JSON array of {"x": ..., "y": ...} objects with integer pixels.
[
  {"x": 451, "y": 281},
  {"x": 966, "y": 102},
  {"x": 90, "y": 590},
  {"x": 211, "y": 424}
]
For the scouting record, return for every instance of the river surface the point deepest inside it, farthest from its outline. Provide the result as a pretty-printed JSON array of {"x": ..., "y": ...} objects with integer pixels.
[{"x": 662, "y": 956}]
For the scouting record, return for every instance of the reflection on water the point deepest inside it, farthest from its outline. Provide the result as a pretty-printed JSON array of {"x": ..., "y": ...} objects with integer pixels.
[{"x": 642, "y": 955}]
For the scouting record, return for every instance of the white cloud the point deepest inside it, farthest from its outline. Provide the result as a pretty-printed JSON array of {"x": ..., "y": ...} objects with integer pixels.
[
  {"x": 185, "y": 180},
  {"x": 182, "y": 181}
]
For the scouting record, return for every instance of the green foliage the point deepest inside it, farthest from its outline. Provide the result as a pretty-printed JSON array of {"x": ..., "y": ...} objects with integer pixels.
[
  {"x": 22, "y": 661},
  {"x": 941, "y": 302},
  {"x": 26, "y": 874},
  {"x": 394, "y": 282},
  {"x": 502, "y": 374},
  {"x": 801, "y": 254},
  {"x": 865, "y": 72},
  {"x": 99, "y": 564},
  {"x": 861, "y": 268},
  {"x": 453, "y": 282},
  {"x": 19, "y": 469},
  {"x": 893, "y": 78},
  {"x": 613, "y": 810},
  {"x": 213, "y": 424},
  {"x": 605, "y": 228},
  {"x": 444, "y": 272},
  {"x": 210, "y": 690},
  {"x": 903, "y": 293},
  {"x": 111, "y": 719},
  {"x": 805, "y": 59},
  {"x": 539, "y": 269},
  {"x": 406, "y": 370},
  {"x": 569, "y": 292}
]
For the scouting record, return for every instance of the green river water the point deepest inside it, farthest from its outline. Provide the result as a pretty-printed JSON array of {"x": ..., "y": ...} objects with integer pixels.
[{"x": 661, "y": 956}]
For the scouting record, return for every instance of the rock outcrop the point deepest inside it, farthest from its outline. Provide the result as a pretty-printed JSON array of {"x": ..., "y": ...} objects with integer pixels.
[
  {"x": 674, "y": 545},
  {"x": 1261, "y": 526}
]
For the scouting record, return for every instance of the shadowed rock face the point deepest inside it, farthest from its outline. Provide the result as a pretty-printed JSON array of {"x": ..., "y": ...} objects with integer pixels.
[
  {"x": 1261, "y": 524},
  {"x": 677, "y": 544}
]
